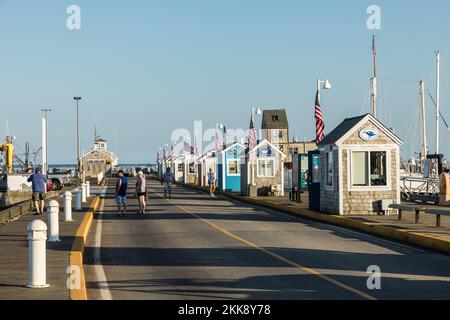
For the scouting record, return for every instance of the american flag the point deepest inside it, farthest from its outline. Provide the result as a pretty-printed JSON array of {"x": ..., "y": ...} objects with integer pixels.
[
  {"x": 172, "y": 152},
  {"x": 218, "y": 146},
  {"x": 164, "y": 153},
  {"x": 320, "y": 124},
  {"x": 252, "y": 134},
  {"x": 157, "y": 156}
]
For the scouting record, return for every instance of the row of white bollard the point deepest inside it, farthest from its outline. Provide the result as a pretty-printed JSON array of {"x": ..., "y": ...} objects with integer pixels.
[{"x": 37, "y": 235}]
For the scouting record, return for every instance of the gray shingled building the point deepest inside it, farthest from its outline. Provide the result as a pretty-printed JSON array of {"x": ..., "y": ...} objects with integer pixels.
[{"x": 359, "y": 167}]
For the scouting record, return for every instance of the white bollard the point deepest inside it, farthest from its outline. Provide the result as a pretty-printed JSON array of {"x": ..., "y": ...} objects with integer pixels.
[
  {"x": 53, "y": 220},
  {"x": 78, "y": 199},
  {"x": 83, "y": 192},
  {"x": 37, "y": 264},
  {"x": 68, "y": 206},
  {"x": 88, "y": 189}
]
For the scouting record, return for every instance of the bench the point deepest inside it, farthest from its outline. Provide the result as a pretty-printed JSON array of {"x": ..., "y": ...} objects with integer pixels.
[
  {"x": 438, "y": 213},
  {"x": 402, "y": 208}
]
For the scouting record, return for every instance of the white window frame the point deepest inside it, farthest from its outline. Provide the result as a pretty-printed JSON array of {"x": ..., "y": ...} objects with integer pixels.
[
  {"x": 189, "y": 168},
  {"x": 382, "y": 148},
  {"x": 257, "y": 168},
  {"x": 238, "y": 167}
]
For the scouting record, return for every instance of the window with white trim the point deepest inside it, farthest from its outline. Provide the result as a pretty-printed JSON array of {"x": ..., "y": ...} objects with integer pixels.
[
  {"x": 369, "y": 168},
  {"x": 266, "y": 168},
  {"x": 191, "y": 168},
  {"x": 233, "y": 167}
]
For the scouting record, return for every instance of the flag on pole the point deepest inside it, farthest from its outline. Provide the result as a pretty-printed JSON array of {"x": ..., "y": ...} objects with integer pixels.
[
  {"x": 252, "y": 134},
  {"x": 218, "y": 146},
  {"x": 157, "y": 156},
  {"x": 172, "y": 152},
  {"x": 164, "y": 153},
  {"x": 320, "y": 124}
]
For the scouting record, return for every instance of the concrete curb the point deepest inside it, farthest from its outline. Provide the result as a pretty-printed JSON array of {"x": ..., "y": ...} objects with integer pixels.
[
  {"x": 418, "y": 239},
  {"x": 77, "y": 251}
]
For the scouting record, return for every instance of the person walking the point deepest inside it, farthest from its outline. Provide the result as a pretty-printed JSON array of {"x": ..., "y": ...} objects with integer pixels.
[
  {"x": 211, "y": 182},
  {"x": 38, "y": 185},
  {"x": 141, "y": 191},
  {"x": 167, "y": 180},
  {"x": 121, "y": 193}
]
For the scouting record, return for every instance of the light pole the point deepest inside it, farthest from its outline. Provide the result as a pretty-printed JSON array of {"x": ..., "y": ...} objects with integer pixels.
[
  {"x": 256, "y": 112},
  {"x": 77, "y": 99},
  {"x": 326, "y": 86},
  {"x": 45, "y": 169}
]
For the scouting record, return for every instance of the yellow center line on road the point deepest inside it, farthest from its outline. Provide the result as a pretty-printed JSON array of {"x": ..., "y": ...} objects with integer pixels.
[{"x": 272, "y": 254}]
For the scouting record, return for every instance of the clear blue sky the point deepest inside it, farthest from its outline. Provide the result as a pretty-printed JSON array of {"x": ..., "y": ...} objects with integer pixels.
[{"x": 148, "y": 67}]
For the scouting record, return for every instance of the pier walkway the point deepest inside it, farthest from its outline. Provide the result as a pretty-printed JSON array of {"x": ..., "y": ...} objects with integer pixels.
[
  {"x": 194, "y": 247},
  {"x": 14, "y": 257}
]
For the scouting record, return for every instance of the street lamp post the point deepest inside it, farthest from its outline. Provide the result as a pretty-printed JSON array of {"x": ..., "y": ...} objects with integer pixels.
[
  {"x": 326, "y": 86},
  {"x": 256, "y": 112},
  {"x": 77, "y": 99},
  {"x": 224, "y": 142},
  {"x": 45, "y": 165}
]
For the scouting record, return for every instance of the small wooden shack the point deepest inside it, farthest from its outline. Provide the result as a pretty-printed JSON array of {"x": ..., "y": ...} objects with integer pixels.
[
  {"x": 262, "y": 172},
  {"x": 204, "y": 163},
  {"x": 359, "y": 167},
  {"x": 177, "y": 167},
  {"x": 229, "y": 168},
  {"x": 99, "y": 159},
  {"x": 189, "y": 169}
]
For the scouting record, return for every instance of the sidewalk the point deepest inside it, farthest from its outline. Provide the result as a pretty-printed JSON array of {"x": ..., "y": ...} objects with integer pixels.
[
  {"x": 426, "y": 225},
  {"x": 14, "y": 257},
  {"x": 424, "y": 234}
]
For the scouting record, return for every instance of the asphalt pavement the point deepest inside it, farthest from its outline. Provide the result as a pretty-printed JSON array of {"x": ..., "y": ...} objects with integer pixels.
[{"x": 193, "y": 247}]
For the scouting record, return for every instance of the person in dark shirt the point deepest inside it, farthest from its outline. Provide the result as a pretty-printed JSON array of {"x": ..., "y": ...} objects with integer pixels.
[
  {"x": 121, "y": 193},
  {"x": 38, "y": 184}
]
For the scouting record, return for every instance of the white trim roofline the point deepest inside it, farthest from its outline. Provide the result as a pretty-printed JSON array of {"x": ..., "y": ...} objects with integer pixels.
[
  {"x": 232, "y": 146},
  {"x": 265, "y": 141},
  {"x": 377, "y": 123}
]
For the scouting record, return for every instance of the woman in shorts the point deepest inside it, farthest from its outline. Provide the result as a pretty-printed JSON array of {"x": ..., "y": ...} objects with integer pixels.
[{"x": 141, "y": 191}]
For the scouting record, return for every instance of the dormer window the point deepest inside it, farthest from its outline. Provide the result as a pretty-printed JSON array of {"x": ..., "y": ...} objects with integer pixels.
[{"x": 275, "y": 118}]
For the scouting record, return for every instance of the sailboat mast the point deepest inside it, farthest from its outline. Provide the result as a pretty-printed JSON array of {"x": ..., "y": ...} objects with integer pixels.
[
  {"x": 423, "y": 121},
  {"x": 438, "y": 66},
  {"x": 374, "y": 78}
]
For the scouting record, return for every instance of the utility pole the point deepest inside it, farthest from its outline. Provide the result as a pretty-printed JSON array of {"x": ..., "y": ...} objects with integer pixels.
[{"x": 77, "y": 99}]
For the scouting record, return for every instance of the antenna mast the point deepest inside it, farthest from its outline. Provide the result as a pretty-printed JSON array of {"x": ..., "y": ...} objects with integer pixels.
[
  {"x": 438, "y": 66},
  {"x": 422, "y": 122},
  {"x": 374, "y": 79}
]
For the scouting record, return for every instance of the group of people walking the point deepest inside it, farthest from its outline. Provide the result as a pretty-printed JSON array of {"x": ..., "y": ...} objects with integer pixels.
[
  {"x": 39, "y": 181},
  {"x": 121, "y": 192}
]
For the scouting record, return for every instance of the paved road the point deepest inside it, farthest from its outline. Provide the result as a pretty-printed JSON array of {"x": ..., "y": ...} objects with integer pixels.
[{"x": 196, "y": 247}]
